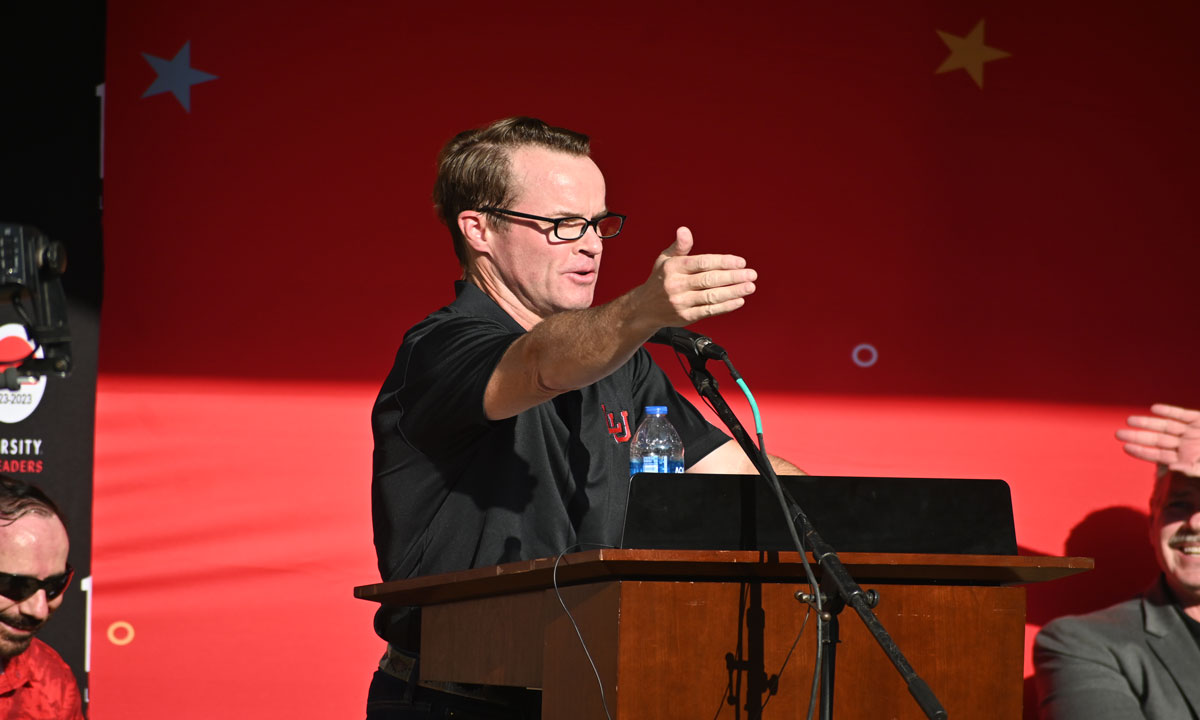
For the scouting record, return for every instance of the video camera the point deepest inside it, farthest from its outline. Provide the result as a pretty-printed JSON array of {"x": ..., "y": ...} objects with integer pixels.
[{"x": 30, "y": 270}]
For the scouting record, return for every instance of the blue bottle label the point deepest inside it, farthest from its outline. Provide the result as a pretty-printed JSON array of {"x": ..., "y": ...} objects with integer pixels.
[{"x": 655, "y": 464}]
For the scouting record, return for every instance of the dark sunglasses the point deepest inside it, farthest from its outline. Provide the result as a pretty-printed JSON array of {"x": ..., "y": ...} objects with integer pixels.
[{"x": 21, "y": 587}]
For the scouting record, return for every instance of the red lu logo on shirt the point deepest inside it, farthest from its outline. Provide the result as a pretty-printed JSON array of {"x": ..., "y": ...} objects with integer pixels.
[{"x": 618, "y": 429}]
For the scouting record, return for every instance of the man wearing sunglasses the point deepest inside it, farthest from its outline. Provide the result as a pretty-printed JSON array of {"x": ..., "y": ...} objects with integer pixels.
[
  {"x": 35, "y": 682},
  {"x": 502, "y": 432}
]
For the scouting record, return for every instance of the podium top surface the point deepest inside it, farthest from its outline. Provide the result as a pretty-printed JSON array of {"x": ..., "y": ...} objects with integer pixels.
[{"x": 716, "y": 566}]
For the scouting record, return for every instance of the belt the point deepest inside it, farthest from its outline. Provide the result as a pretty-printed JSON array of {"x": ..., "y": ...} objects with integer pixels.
[{"x": 405, "y": 666}]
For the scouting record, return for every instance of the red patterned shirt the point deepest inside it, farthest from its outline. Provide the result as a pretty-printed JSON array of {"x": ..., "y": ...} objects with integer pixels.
[{"x": 38, "y": 685}]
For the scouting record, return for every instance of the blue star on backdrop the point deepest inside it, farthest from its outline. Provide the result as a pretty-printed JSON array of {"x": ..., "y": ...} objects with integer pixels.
[{"x": 176, "y": 76}]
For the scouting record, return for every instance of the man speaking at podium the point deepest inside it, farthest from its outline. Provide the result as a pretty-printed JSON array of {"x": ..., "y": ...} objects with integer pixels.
[{"x": 501, "y": 433}]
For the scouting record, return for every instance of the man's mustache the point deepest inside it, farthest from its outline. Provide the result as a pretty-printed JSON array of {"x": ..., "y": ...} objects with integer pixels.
[
  {"x": 1183, "y": 539},
  {"x": 22, "y": 622}
]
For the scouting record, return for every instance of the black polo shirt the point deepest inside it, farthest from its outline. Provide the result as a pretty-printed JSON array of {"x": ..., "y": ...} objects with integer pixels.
[{"x": 452, "y": 490}]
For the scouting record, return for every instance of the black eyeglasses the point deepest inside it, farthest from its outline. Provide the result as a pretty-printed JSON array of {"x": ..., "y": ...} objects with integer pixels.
[
  {"x": 572, "y": 228},
  {"x": 21, "y": 587}
]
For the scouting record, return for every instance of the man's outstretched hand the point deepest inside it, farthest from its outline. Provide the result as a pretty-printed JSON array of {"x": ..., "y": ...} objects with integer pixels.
[{"x": 684, "y": 288}]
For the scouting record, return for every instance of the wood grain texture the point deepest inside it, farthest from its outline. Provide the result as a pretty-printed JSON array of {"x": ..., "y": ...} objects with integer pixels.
[{"x": 677, "y": 640}]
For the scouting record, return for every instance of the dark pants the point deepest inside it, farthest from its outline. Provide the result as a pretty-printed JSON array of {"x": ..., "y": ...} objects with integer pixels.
[{"x": 389, "y": 699}]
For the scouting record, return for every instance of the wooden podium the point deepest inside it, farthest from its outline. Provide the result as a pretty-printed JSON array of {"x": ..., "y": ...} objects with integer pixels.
[{"x": 710, "y": 634}]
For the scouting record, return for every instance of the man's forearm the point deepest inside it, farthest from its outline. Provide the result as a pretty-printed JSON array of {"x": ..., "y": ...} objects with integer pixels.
[
  {"x": 565, "y": 352},
  {"x": 573, "y": 349}
]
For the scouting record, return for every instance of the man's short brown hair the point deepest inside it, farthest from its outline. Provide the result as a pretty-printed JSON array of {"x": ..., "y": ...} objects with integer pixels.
[{"x": 474, "y": 169}]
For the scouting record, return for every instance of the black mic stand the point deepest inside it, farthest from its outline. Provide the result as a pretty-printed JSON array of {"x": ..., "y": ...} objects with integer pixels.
[{"x": 837, "y": 587}]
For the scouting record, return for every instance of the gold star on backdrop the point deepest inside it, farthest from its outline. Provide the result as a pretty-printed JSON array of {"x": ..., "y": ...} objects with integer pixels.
[{"x": 968, "y": 53}]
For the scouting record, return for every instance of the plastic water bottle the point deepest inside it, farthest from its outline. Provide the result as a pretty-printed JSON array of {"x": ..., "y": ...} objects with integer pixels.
[{"x": 656, "y": 446}]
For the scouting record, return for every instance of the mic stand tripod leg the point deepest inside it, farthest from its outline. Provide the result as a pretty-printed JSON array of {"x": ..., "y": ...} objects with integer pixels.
[
  {"x": 829, "y": 634},
  {"x": 828, "y": 637}
]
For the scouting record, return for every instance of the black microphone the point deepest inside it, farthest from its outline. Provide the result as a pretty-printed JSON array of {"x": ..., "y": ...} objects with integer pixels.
[{"x": 690, "y": 343}]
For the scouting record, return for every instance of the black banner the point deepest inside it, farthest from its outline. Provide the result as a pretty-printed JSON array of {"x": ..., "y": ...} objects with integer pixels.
[{"x": 52, "y": 65}]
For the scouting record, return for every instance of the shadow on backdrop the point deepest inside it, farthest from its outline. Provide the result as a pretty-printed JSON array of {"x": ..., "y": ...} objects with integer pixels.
[{"x": 1116, "y": 538}]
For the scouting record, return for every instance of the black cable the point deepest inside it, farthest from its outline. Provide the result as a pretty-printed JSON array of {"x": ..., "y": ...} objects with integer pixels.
[
  {"x": 786, "y": 658},
  {"x": 768, "y": 473},
  {"x": 813, "y": 585},
  {"x": 578, "y": 633},
  {"x": 816, "y": 592}
]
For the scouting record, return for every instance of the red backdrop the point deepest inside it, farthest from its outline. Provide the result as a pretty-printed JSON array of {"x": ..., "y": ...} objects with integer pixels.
[{"x": 1020, "y": 255}]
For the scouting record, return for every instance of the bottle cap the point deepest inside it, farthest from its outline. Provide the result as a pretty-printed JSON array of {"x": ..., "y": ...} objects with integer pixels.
[{"x": 656, "y": 409}]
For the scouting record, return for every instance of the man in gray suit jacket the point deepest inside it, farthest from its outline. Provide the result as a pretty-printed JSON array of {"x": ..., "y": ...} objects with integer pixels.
[{"x": 1140, "y": 658}]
